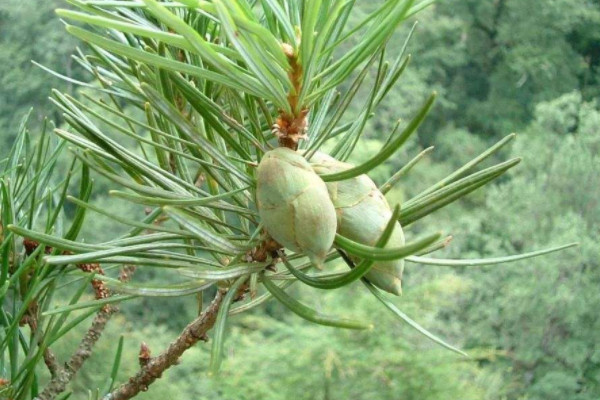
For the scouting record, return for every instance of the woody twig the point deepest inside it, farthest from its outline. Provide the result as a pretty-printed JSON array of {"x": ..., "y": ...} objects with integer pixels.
[{"x": 61, "y": 376}]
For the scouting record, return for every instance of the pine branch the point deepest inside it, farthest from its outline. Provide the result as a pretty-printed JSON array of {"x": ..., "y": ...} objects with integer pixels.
[
  {"x": 154, "y": 368},
  {"x": 58, "y": 384},
  {"x": 32, "y": 320},
  {"x": 51, "y": 362},
  {"x": 62, "y": 376}
]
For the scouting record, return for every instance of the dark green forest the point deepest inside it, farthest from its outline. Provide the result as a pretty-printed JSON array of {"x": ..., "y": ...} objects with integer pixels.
[{"x": 530, "y": 328}]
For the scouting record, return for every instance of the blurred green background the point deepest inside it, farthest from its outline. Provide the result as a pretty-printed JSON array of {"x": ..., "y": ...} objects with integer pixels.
[{"x": 531, "y": 328}]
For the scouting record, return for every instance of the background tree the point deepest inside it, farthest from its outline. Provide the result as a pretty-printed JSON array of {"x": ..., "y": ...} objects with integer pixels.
[{"x": 30, "y": 31}]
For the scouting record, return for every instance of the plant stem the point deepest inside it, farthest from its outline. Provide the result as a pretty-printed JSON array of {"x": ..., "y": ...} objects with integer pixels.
[
  {"x": 153, "y": 370},
  {"x": 62, "y": 376},
  {"x": 58, "y": 384},
  {"x": 32, "y": 320}
]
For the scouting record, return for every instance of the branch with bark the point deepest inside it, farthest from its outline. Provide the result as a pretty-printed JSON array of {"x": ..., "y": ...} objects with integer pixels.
[
  {"x": 154, "y": 368},
  {"x": 62, "y": 376},
  {"x": 31, "y": 318},
  {"x": 59, "y": 383}
]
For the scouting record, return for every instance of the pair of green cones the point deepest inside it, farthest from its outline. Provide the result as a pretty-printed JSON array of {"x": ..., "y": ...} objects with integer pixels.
[{"x": 303, "y": 213}]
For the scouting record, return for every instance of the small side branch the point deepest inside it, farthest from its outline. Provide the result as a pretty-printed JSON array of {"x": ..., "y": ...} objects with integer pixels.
[
  {"x": 31, "y": 318},
  {"x": 58, "y": 384},
  {"x": 62, "y": 376},
  {"x": 51, "y": 362},
  {"x": 154, "y": 367}
]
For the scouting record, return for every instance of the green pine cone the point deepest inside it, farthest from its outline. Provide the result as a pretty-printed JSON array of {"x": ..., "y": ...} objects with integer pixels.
[
  {"x": 294, "y": 205},
  {"x": 362, "y": 214}
]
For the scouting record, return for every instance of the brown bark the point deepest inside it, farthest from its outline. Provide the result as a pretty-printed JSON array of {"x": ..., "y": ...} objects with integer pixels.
[
  {"x": 62, "y": 376},
  {"x": 59, "y": 383},
  {"x": 31, "y": 318},
  {"x": 154, "y": 367}
]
